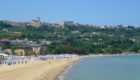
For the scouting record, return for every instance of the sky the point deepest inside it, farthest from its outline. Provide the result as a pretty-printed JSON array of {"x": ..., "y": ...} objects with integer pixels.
[{"x": 95, "y": 12}]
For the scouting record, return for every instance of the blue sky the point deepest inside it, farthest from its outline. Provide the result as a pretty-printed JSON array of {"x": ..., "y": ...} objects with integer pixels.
[{"x": 96, "y": 12}]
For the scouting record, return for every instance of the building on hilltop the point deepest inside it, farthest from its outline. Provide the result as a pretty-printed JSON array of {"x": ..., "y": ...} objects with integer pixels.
[
  {"x": 38, "y": 19},
  {"x": 18, "y": 24},
  {"x": 38, "y": 23},
  {"x": 66, "y": 23},
  {"x": 35, "y": 23}
]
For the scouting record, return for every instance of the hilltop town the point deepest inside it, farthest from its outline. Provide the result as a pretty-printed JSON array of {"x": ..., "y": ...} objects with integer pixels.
[
  {"x": 40, "y": 38},
  {"x": 38, "y": 23}
]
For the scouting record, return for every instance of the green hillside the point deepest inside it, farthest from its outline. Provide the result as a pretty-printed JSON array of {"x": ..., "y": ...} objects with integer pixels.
[{"x": 78, "y": 39}]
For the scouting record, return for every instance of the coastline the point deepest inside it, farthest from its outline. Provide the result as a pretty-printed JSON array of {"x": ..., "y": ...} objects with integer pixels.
[
  {"x": 101, "y": 55},
  {"x": 61, "y": 74},
  {"x": 41, "y": 70},
  {"x": 54, "y": 73}
]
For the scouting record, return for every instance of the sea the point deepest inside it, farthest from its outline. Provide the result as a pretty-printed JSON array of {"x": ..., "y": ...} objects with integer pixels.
[{"x": 104, "y": 68}]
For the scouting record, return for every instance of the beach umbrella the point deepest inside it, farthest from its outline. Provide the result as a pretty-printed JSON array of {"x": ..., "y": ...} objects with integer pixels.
[
  {"x": 14, "y": 60},
  {"x": 25, "y": 60},
  {"x": 22, "y": 60},
  {"x": 5, "y": 60},
  {"x": 9, "y": 61},
  {"x": 43, "y": 58}
]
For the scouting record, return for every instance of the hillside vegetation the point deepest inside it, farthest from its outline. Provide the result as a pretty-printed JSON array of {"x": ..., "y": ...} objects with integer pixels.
[{"x": 78, "y": 39}]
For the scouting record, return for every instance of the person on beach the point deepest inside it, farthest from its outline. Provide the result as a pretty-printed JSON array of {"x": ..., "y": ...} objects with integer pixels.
[
  {"x": 32, "y": 59},
  {"x": 9, "y": 61},
  {"x": 19, "y": 60}
]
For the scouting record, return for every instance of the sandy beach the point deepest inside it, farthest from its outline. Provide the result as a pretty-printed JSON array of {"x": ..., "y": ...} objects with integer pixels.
[{"x": 41, "y": 70}]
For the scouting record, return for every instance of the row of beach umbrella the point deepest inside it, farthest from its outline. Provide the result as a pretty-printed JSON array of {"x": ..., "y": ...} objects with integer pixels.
[{"x": 12, "y": 60}]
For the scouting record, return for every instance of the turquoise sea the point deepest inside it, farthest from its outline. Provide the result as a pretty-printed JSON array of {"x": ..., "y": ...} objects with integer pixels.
[{"x": 106, "y": 68}]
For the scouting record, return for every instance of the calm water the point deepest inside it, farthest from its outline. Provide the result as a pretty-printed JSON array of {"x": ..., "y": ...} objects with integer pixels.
[{"x": 106, "y": 68}]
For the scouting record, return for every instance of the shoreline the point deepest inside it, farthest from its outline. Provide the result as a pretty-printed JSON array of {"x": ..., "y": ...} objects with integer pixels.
[
  {"x": 61, "y": 74},
  {"x": 41, "y": 70},
  {"x": 59, "y": 69},
  {"x": 101, "y": 55}
]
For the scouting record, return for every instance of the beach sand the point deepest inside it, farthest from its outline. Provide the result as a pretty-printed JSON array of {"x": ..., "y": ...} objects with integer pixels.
[{"x": 41, "y": 70}]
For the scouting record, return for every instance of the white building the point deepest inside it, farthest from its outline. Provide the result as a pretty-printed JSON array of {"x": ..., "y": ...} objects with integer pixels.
[
  {"x": 37, "y": 50},
  {"x": 1, "y": 53},
  {"x": 66, "y": 23}
]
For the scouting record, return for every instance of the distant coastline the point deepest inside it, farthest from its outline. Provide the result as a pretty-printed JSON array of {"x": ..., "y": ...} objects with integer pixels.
[{"x": 109, "y": 55}]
